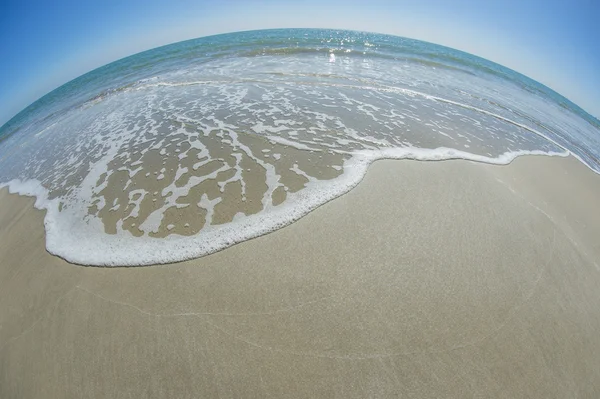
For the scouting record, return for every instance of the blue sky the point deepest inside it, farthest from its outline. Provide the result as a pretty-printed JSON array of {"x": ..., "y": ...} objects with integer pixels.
[{"x": 44, "y": 44}]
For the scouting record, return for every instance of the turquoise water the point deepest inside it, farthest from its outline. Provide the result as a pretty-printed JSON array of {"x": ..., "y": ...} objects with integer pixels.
[{"x": 185, "y": 149}]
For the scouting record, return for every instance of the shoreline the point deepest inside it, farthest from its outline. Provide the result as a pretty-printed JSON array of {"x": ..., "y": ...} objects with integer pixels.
[
  {"x": 63, "y": 236},
  {"x": 427, "y": 279}
]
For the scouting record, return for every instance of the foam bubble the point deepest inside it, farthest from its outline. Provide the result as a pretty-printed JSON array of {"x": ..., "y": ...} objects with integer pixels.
[{"x": 84, "y": 243}]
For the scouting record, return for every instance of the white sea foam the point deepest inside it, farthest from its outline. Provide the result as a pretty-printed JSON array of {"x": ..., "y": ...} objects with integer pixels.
[{"x": 86, "y": 243}]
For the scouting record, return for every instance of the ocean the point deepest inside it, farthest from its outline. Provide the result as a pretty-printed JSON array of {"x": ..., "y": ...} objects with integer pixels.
[{"x": 186, "y": 149}]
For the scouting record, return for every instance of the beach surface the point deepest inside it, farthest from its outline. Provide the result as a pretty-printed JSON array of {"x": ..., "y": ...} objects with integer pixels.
[{"x": 446, "y": 279}]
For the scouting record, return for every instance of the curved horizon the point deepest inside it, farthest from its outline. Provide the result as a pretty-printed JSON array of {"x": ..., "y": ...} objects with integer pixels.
[
  {"x": 48, "y": 45},
  {"x": 7, "y": 124}
]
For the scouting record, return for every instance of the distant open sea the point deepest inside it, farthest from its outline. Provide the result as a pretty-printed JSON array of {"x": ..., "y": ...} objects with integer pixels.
[{"x": 183, "y": 150}]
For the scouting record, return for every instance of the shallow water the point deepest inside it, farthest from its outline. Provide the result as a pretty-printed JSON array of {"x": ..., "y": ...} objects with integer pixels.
[{"x": 186, "y": 149}]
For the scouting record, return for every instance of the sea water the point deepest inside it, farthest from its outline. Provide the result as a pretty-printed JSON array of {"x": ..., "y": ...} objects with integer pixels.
[{"x": 186, "y": 149}]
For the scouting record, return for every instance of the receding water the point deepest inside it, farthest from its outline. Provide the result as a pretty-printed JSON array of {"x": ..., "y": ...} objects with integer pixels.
[{"x": 186, "y": 149}]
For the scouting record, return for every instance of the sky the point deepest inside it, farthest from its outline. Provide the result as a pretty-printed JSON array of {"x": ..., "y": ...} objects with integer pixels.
[{"x": 44, "y": 44}]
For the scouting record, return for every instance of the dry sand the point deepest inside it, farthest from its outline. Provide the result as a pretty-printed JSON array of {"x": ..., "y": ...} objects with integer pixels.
[{"x": 429, "y": 280}]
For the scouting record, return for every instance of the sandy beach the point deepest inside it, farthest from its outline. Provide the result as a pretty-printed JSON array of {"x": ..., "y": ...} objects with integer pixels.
[{"x": 448, "y": 279}]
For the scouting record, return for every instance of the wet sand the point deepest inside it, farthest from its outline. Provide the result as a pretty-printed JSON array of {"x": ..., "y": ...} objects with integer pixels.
[{"x": 429, "y": 279}]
